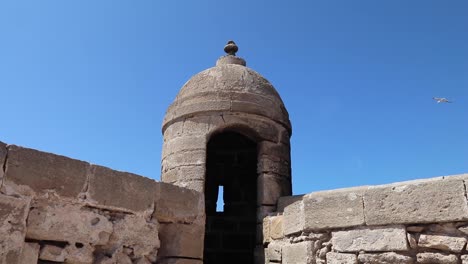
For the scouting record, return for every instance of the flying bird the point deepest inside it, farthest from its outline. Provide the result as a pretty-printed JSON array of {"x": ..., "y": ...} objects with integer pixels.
[{"x": 441, "y": 100}]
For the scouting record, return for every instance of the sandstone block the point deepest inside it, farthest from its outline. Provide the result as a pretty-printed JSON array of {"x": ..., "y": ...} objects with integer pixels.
[
  {"x": 181, "y": 240},
  {"x": 341, "y": 258},
  {"x": 264, "y": 211},
  {"x": 276, "y": 227},
  {"x": 188, "y": 158},
  {"x": 176, "y": 204},
  {"x": 82, "y": 254},
  {"x": 293, "y": 221},
  {"x": 385, "y": 258},
  {"x": 183, "y": 144},
  {"x": 286, "y": 201},
  {"x": 135, "y": 234},
  {"x": 334, "y": 209},
  {"x": 273, "y": 252},
  {"x": 184, "y": 173},
  {"x": 271, "y": 188},
  {"x": 29, "y": 171},
  {"x": 464, "y": 259},
  {"x": 412, "y": 241},
  {"x": 298, "y": 253},
  {"x": 30, "y": 253},
  {"x": 195, "y": 185},
  {"x": 453, "y": 244},
  {"x": 13, "y": 214},
  {"x": 370, "y": 239},
  {"x": 416, "y": 202},
  {"x": 264, "y": 128},
  {"x": 120, "y": 190},
  {"x": 267, "y": 164},
  {"x": 52, "y": 253},
  {"x": 277, "y": 151},
  {"x": 436, "y": 258},
  {"x": 59, "y": 221}
]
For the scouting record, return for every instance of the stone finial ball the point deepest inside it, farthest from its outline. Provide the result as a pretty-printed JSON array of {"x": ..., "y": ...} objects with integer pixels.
[{"x": 231, "y": 48}]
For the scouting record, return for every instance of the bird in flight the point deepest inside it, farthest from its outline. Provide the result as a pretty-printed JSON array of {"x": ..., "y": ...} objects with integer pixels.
[{"x": 441, "y": 100}]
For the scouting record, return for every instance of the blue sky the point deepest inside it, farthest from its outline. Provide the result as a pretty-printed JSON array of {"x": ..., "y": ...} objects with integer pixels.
[{"x": 92, "y": 80}]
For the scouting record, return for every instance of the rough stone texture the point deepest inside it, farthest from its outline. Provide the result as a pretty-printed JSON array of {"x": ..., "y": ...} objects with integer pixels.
[
  {"x": 181, "y": 240},
  {"x": 341, "y": 258},
  {"x": 370, "y": 239},
  {"x": 436, "y": 258},
  {"x": 384, "y": 258},
  {"x": 13, "y": 213},
  {"x": 184, "y": 173},
  {"x": 179, "y": 261},
  {"x": 120, "y": 189},
  {"x": 187, "y": 158},
  {"x": 453, "y": 244},
  {"x": 285, "y": 201},
  {"x": 52, "y": 253},
  {"x": 182, "y": 144},
  {"x": 464, "y": 259},
  {"x": 334, "y": 209},
  {"x": 267, "y": 164},
  {"x": 293, "y": 221},
  {"x": 29, "y": 171},
  {"x": 416, "y": 202},
  {"x": 273, "y": 252},
  {"x": 59, "y": 221},
  {"x": 412, "y": 241},
  {"x": 79, "y": 255},
  {"x": 277, "y": 151},
  {"x": 298, "y": 253},
  {"x": 174, "y": 204},
  {"x": 196, "y": 185},
  {"x": 271, "y": 187},
  {"x": 30, "y": 253},
  {"x": 276, "y": 227}
]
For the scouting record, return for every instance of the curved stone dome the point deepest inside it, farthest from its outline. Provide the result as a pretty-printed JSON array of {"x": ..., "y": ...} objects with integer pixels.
[{"x": 230, "y": 86}]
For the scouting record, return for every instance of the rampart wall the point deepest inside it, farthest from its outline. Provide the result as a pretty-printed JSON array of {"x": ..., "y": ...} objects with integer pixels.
[
  {"x": 54, "y": 209},
  {"x": 423, "y": 221}
]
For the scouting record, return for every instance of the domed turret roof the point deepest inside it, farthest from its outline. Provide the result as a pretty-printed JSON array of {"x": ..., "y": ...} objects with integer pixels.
[{"x": 230, "y": 86}]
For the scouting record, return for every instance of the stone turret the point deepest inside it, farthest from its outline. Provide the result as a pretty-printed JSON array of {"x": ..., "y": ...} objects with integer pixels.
[{"x": 228, "y": 128}]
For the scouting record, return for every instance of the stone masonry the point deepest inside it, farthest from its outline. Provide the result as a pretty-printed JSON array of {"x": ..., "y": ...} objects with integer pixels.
[{"x": 55, "y": 209}]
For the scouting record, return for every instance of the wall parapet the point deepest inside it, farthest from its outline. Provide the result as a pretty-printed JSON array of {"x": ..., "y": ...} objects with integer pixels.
[
  {"x": 54, "y": 208},
  {"x": 420, "y": 221}
]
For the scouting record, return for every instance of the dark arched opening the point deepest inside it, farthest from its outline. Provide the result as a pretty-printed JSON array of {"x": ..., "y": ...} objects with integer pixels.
[{"x": 230, "y": 229}]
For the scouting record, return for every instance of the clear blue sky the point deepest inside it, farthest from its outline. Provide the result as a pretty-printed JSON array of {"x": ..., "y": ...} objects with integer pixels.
[{"x": 92, "y": 80}]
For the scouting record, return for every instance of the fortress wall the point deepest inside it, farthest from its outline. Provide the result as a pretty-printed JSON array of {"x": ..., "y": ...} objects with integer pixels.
[
  {"x": 54, "y": 209},
  {"x": 422, "y": 221}
]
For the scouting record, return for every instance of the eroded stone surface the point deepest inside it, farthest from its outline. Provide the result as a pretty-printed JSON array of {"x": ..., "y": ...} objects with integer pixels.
[
  {"x": 436, "y": 258},
  {"x": 385, "y": 258},
  {"x": 30, "y": 171},
  {"x": 416, "y": 202},
  {"x": 30, "y": 253},
  {"x": 13, "y": 214},
  {"x": 370, "y": 239},
  {"x": 273, "y": 252},
  {"x": 453, "y": 244},
  {"x": 293, "y": 221},
  {"x": 298, "y": 253},
  {"x": 334, "y": 209},
  {"x": 121, "y": 189},
  {"x": 182, "y": 240},
  {"x": 61, "y": 221},
  {"x": 341, "y": 258},
  {"x": 52, "y": 253},
  {"x": 271, "y": 187}
]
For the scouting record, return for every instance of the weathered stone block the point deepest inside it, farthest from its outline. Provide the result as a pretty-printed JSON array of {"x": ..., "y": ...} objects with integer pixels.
[
  {"x": 293, "y": 221},
  {"x": 453, "y": 244},
  {"x": 341, "y": 258},
  {"x": 271, "y": 188},
  {"x": 181, "y": 240},
  {"x": 286, "y": 201},
  {"x": 298, "y": 253},
  {"x": 273, "y": 228},
  {"x": 30, "y": 253},
  {"x": 29, "y": 171},
  {"x": 188, "y": 158},
  {"x": 79, "y": 255},
  {"x": 436, "y": 258},
  {"x": 117, "y": 189},
  {"x": 273, "y": 252},
  {"x": 267, "y": 164},
  {"x": 184, "y": 173},
  {"x": 264, "y": 128},
  {"x": 370, "y": 239},
  {"x": 13, "y": 214},
  {"x": 464, "y": 259},
  {"x": 416, "y": 202},
  {"x": 196, "y": 185},
  {"x": 184, "y": 144},
  {"x": 52, "y": 253},
  {"x": 277, "y": 151},
  {"x": 264, "y": 211},
  {"x": 385, "y": 258},
  {"x": 135, "y": 233},
  {"x": 176, "y": 204},
  {"x": 59, "y": 221},
  {"x": 334, "y": 209}
]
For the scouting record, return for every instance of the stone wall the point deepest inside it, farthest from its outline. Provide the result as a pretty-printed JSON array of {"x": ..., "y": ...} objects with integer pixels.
[
  {"x": 423, "y": 221},
  {"x": 54, "y": 209}
]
